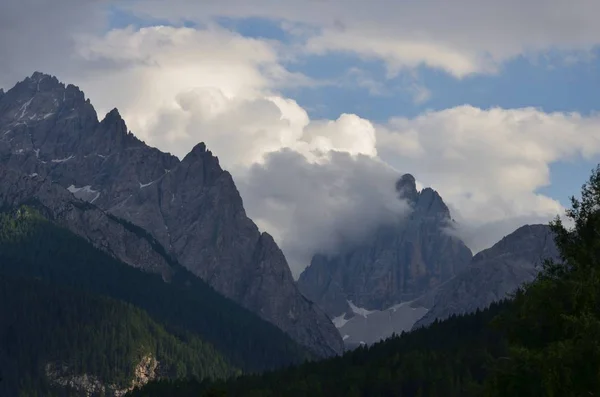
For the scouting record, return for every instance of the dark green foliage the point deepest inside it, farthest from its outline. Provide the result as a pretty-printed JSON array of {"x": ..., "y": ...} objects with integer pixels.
[
  {"x": 554, "y": 327},
  {"x": 31, "y": 246},
  {"x": 41, "y": 324},
  {"x": 447, "y": 359}
]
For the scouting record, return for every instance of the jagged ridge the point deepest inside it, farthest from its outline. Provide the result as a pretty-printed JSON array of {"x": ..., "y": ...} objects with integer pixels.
[
  {"x": 191, "y": 207},
  {"x": 494, "y": 273},
  {"x": 398, "y": 263}
]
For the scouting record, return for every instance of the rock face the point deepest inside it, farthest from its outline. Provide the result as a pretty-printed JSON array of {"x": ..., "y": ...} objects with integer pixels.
[
  {"x": 494, "y": 273},
  {"x": 398, "y": 264},
  {"x": 91, "y": 386},
  {"x": 104, "y": 231},
  {"x": 191, "y": 207}
]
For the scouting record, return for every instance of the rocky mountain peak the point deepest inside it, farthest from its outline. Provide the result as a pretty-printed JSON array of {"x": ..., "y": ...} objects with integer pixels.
[
  {"x": 395, "y": 264},
  {"x": 529, "y": 241},
  {"x": 115, "y": 133},
  {"x": 44, "y": 85},
  {"x": 431, "y": 203},
  {"x": 201, "y": 165},
  {"x": 200, "y": 151},
  {"x": 41, "y": 97},
  {"x": 425, "y": 202},
  {"x": 198, "y": 148},
  {"x": 406, "y": 187},
  {"x": 191, "y": 207},
  {"x": 39, "y": 76},
  {"x": 114, "y": 117},
  {"x": 41, "y": 82}
]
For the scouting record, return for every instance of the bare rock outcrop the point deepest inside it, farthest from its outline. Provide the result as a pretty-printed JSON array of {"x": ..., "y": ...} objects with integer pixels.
[{"x": 86, "y": 385}]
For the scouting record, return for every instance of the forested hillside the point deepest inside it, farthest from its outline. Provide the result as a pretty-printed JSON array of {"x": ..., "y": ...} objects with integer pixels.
[
  {"x": 447, "y": 359},
  {"x": 46, "y": 329},
  {"x": 544, "y": 342},
  {"x": 32, "y": 247}
]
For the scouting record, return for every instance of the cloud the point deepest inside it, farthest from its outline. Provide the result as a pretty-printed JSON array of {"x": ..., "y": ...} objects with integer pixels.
[
  {"x": 181, "y": 85},
  {"x": 461, "y": 37},
  {"x": 40, "y": 35},
  {"x": 489, "y": 163},
  {"x": 397, "y": 54},
  {"x": 316, "y": 184},
  {"x": 349, "y": 133},
  {"x": 356, "y": 77},
  {"x": 420, "y": 94},
  {"x": 320, "y": 206}
]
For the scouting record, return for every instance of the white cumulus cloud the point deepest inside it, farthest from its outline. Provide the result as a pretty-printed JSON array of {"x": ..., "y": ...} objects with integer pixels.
[
  {"x": 319, "y": 184},
  {"x": 489, "y": 163},
  {"x": 320, "y": 206}
]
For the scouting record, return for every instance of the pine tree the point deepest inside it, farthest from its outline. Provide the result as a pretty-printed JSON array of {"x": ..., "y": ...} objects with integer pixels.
[{"x": 554, "y": 327}]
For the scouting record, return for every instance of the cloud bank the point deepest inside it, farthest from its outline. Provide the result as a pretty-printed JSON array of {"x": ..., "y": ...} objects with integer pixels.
[
  {"x": 320, "y": 206},
  {"x": 461, "y": 37},
  {"x": 318, "y": 184}
]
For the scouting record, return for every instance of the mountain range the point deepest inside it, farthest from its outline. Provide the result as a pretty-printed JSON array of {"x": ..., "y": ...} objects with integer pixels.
[
  {"x": 494, "y": 273},
  {"x": 50, "y": 133},
  {"x": 416, "y": 271},
  {"x": 157, "y": 256}
]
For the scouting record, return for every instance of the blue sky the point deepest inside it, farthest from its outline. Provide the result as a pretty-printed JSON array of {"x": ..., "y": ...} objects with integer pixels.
[{"x": 520, "y": 83}]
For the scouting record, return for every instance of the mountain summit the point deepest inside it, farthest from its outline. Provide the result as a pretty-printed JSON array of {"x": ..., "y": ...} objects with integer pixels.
[
  {"x": 397, "y": 264},
  {"x": 190, "y": 207}
]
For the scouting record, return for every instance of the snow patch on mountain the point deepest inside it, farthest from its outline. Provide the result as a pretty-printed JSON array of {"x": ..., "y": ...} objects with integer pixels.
[
  {"x": 371, "y": 326},
  {"x": 85, "y": 193},
  {"x": 339, "y": 321},
  {"x": 359, "y": 310},
  {"x": 62, "y": 160}
]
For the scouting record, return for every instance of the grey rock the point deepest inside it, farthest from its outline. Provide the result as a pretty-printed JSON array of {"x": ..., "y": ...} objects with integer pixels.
[
  {"x": 191, "y": 207},
  {"x": 494, "y": 273},
  {"x": 88, "y": 385},
  {"x": 103, "y": 231},
  {"x": 397, "y": 264}
]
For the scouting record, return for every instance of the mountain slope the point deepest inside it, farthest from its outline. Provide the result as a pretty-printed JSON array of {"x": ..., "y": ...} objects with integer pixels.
[
  {"x": 448, "y": 359},
  {"x": 33, "y": 247},
  {"x": 57, "y": 341},
  {"x": 544, "y": 342},
  {"x": 191, "y": 207},
  {"x": 106, "y": 232},
  {"x": 494, "y": 273}
]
